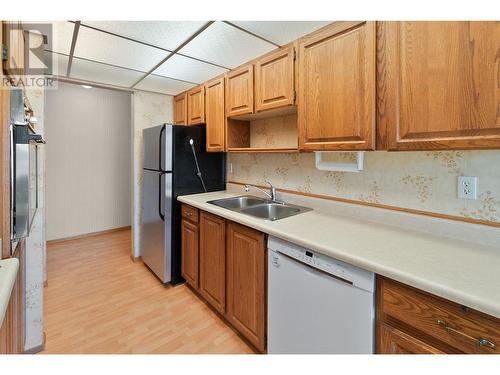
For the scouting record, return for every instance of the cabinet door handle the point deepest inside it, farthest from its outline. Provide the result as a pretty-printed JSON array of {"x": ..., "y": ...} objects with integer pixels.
[{"x": 481, "y": 341}]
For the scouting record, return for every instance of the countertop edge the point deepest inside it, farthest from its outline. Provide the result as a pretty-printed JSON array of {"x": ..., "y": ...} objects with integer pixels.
[
  {"x": 11, "y": 266},
  {"x": 439, "y": 290}
]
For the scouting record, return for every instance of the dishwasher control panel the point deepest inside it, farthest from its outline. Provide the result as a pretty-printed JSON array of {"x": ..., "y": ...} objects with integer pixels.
[{"x": 354, "y": 275}]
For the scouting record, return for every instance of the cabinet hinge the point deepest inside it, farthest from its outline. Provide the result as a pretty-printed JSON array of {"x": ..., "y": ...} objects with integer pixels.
[
  {"x": 294, "y": 54},
  {"x": 294, "y": 96}
]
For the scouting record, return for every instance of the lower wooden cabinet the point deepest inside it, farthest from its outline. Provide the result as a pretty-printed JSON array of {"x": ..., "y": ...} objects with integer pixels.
[
  {"x": 226, "y": 263},
  {"x": 190, "y": 251},
  {"x": 12, "y": 331},
  {"x": 212, "y": 285},
  {"x": 246, "y": 283},
  {"x": 394, "y": 341},
  {"x": 412, "y": 321}
]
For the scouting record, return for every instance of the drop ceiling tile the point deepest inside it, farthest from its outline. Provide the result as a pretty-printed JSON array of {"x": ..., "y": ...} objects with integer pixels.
[
  {"x": 163, "y": 85},
  {"x": 187, "y": 69},
  {"x": 225, "y": 45},
  {"x": 59, "y": 63},
  {"x": 281, "y": 32},
  {"x": 164, "y": 34},
  {"x": 62, "y": 36},
  {"x": 96, "y": 45},
  {"x": 102, "y": 73}
]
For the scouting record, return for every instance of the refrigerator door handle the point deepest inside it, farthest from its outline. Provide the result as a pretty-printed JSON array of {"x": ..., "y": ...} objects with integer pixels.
[
  {"x": 160, "y": 213},
  {"x": 159, "y": 148}
]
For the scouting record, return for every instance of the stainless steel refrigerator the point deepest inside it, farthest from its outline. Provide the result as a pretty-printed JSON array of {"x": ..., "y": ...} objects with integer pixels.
[{"x": 175, "y": 163}]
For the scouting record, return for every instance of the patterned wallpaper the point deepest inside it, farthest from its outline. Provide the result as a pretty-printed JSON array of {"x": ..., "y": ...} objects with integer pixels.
[
  {"x": 419, "y": 180},
  {"x": 35, "y": 243},
  {"x": 149, "y": 110}
]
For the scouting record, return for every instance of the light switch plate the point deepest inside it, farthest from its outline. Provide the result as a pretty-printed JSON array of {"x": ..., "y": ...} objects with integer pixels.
[{"x": 467, "y": 187}]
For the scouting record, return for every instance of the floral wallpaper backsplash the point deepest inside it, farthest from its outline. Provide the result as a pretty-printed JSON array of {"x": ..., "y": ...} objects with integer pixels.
[
  {"x": 148, "y": 110},
  {"x": 418, "y": 180}
]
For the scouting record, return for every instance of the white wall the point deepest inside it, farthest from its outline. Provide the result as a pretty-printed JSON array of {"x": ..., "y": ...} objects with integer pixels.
[
  {"x": 88, "y": 158},
  {"x": 149, "y": 110}
]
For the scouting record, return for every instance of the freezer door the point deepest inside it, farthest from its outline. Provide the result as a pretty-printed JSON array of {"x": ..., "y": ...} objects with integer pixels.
[
  {"x": 153, "y": 147},
  {"x": 155, "y": 234}
]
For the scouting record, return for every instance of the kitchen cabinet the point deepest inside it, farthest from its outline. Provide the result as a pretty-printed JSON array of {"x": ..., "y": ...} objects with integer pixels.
[
  {"x": 239, "y": 94},
  {"x": 13, "y": 39},
  {"x": 180, "y": 109},
  {"x": 274, "y": 80},
  {"x": 189, "y": 245},
  {"x": 12, "y": 331},
  {"x": 336, "y": 88},
  {"x": 438, "y": 85},
  {"x": 215, "y": 115},
  {"x": 212, "y": 283},
  {"x": 412, "y": 321},
  {"x": 196, "y": 105},
  {"x": 394, "y": 341},
  {"x": 246, "y": 285}
]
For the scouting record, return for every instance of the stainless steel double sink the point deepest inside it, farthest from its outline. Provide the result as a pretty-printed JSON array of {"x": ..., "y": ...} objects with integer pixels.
[{"x": 259, "y": 207}]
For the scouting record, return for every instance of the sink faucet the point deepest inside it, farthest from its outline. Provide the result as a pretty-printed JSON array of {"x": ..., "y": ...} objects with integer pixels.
[{"x": 271, "y": 194}]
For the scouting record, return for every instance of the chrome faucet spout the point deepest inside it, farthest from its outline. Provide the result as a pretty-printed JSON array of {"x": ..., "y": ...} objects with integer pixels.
[{"x": 271, "y": 194}]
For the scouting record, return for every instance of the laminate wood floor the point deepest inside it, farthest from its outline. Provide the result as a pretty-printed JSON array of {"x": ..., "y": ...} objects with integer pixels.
[{"x": 99, "y": 301}]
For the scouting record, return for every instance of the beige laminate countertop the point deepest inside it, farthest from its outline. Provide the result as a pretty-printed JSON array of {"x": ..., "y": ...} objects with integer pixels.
[
  {"x": 463, "y": 272},
  {"x": 8, "y": 273}
]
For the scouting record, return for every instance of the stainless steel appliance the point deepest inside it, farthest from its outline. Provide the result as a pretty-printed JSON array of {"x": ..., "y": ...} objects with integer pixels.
[
  {"x": 175, "y": 163},
  {"x": 23, "y": 166},
  {"x": 317, "y": 304}
]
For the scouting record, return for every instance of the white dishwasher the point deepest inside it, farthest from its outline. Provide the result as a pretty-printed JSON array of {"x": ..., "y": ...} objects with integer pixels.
[{"x": 317, "y": 304}]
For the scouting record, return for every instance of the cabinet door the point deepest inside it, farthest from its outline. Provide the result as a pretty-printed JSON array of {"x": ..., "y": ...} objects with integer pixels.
[
  {"x": 246, "y": 283},
  {"x": 180, "y": 109},
  {"x": 239, "y": 99},
  {"x": 394, "y": 341},
  {"x": 216, "y": 118},
  {"x": 274, "y": 80},
  {"x": 189, "y": 235},
  {"x": 337, "y": 88},
  {"x": 196, "y": 105},
  {"x": 213, "y": 260},
  {"x": 438, "y": 85}
]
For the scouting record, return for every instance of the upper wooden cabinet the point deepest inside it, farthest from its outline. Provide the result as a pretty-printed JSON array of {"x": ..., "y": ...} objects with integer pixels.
[
  {"x": 239, "y": 94},
  {"x": 212, "y": 275},
  {"x": 438, "y": 85},
  {"x": 336, "y": 88},
  {"x": 274, "y": 80},
  {"x": 180, "y": 109},
  {"x": 246, "y": 283},
  {"x": 215, "y": 115},
  {"x": 196, "y": 105},
  {"x": 13, "y": 39}
]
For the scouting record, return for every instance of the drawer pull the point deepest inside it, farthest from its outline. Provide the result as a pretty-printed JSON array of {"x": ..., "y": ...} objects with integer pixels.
[{"x": 480, "y": 341}]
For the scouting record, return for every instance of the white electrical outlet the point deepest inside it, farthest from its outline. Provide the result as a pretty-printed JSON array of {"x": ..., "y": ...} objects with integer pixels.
[
  {"x": 467, "y": 187},
  {"x": 230, "y": 168}
]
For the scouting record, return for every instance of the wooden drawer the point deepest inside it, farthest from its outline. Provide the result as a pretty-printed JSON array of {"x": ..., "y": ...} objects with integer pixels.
[
  {"x": 394, "y": 341},
  {"x": 190, "y": 213},
  {"x": 467, "y": 330}
]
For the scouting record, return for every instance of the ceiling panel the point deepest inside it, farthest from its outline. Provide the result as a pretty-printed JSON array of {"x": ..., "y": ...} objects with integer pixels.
[
  {"x": 59, "y": 63},
  {"x": 62, "y": 35},
  {"x": 101, "y": 73},
  {"x": 163, "y": 85},
  {"x": 164, "y": 34},
  {"x": 102, "y": 47},
  {"x": 225, "y": 45},
  {"x": 281, "y": 32},
  {"x": 187, "y": 69}
]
